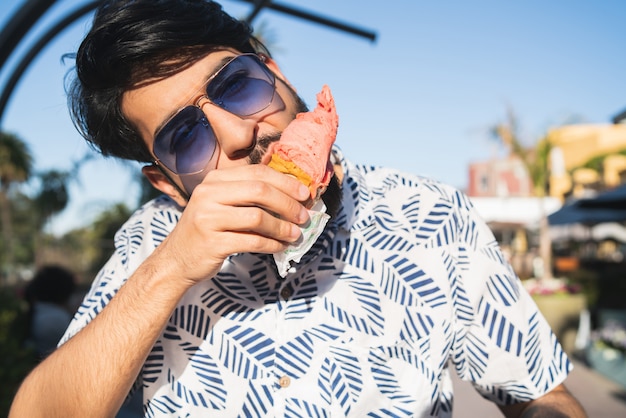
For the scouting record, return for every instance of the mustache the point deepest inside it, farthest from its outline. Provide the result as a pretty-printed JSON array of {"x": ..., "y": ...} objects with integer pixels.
[
  {"x": 263, "y": 142},
  {"x": 261, "y": 147}
]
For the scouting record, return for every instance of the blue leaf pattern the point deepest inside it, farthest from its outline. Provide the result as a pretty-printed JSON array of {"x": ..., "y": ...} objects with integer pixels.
[
  {"x": 128, "y": 240},
  {"x": 385, "y": 376},
  {"x": 210, "y": 390},
  {"x": 342, "y": 378},
  {"x": 258, "y": 401},
  {"x": 362, "y": 312},
  {"x": 418, "y": 283},
  {"x": 405, "y": 283},
  {"x": 297, "y": 408},
  {"x": 246, "y": 352}
]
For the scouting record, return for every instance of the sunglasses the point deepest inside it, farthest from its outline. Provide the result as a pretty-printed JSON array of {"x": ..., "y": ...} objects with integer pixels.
[{"x": 186, "y": 144}]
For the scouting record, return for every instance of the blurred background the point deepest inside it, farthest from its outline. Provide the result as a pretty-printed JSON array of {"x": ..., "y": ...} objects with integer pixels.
[{"x": 521, "y": 105}]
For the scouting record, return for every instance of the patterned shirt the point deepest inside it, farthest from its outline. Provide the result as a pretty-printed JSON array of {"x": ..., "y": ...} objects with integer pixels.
[{"x": 405, "y": 283}]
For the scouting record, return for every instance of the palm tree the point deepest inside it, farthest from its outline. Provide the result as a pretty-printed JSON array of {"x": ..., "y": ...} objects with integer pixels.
[
  {"x": 535, "y": 160},
  {"x": 16, "y": 164},
  {"x": 53, "y": 196}
]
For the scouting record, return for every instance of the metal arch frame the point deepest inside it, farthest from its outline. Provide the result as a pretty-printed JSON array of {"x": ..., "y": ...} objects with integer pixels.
[
  {"x": 303, "y": 14},
  {"x": 17, "y": 27},
  {"x": 33, "y": 10},
  {"x": 19, "y": 70}
]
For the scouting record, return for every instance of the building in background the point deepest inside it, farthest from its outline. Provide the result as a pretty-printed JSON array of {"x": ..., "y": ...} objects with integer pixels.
[
  {"x": 585, "y": 159},
  {"x": 499, "y": 178}
]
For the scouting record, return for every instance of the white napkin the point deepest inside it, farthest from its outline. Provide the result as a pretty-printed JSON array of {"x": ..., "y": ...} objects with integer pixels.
[{"x": 310, "y": 233}]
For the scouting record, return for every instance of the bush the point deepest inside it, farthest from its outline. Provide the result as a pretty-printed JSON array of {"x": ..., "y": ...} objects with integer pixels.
[{"x": 15, "y": 361}]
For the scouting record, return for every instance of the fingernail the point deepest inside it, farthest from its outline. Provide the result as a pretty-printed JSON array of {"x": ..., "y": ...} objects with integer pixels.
[
  {"x": 303, "y": 192},
  {"x": 295, "y": 232},
  {"x": 303, "y": 216}
]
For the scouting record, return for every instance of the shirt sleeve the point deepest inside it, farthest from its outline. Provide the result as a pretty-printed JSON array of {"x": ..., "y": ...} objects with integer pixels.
[
  {"x": 134, "y": 242},
  {"x": 104, "y": 287},
  {"x": 503, "y": 345}
]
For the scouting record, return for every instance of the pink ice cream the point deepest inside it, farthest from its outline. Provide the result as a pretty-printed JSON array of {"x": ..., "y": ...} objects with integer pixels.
[{"x": 304, "y": 147}]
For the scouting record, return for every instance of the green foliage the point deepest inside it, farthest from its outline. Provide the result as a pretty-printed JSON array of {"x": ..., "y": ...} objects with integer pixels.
[
  {"x": 24, "y": 229},
  {"x": 24, "y": 245},
  {"x": 16, "y": 160},
  {"x": 15, "y": 361},
  {"x": 53, "y": 196},
  {"x": 16, "y": 164},
  {"x": 597, "y": 163},
  {"x": 534, "y": 158},
  {"x": 103, "y": 232},
  {"x": 588, "y": 282},
  {"x": 85, "y": 250},
  {"x": 22, "y": 232}
]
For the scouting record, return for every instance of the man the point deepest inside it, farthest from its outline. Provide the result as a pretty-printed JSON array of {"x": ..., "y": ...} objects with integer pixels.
[{"x": 404, "y": 281}]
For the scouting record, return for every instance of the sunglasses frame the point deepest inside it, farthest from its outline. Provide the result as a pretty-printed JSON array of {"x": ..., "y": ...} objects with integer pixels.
[{"x": 260, "y": 60}]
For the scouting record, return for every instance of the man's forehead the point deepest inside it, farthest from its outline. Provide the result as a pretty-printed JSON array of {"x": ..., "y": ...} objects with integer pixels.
[{"x": 165, "y": 96}]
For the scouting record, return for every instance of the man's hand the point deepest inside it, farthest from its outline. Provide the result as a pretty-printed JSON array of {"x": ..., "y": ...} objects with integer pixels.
[
  {"x": 558, "y": 403},
  {"x": 244, "y": 209}
]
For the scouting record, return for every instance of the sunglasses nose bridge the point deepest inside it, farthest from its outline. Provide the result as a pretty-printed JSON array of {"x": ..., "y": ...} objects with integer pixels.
[{"x": 201, "y": 101}]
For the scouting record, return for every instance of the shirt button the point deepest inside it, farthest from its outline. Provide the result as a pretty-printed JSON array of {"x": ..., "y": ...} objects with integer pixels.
[
  {"x": 284, "y": 381},
  {"x": 287, "y": 292}
]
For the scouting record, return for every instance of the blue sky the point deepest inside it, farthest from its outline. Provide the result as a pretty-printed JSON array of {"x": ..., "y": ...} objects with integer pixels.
[{"x": 421, "y": 98}]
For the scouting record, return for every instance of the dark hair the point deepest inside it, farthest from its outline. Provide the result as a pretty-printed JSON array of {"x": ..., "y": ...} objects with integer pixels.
[
  {"x": 132, "y": 41},
  {"x": 52, "y": 283}
]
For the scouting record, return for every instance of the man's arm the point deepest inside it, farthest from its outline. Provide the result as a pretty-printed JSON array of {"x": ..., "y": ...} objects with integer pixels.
[
  {"x": 231, "y": 211},
  {"x": 558, "y": 403},
  {"x": 92, "y": 373}
]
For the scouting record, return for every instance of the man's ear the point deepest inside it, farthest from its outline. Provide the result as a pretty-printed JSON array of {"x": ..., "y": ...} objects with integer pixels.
[{"x": 164, "y": 184}]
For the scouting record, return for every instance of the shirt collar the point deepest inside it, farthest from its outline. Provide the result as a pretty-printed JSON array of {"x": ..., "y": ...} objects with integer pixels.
[{"x": 355, "y": 211}]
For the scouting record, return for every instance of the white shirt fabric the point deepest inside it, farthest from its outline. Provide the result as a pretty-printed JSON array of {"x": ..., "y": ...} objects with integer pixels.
[{"x": 406, "y": 283}]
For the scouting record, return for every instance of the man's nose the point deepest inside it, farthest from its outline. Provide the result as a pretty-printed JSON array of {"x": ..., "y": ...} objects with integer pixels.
[{"x": 236, "y": 135}]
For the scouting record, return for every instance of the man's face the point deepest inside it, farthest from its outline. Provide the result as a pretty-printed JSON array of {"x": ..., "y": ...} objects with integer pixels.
[{"x": 154, "y": 108}]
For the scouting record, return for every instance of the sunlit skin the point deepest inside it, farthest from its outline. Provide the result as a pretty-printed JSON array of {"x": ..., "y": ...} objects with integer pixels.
[{"x": 148, "y": 107}]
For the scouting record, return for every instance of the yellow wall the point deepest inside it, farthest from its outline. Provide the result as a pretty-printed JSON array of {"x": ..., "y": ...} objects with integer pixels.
[{"x": 574, "y": 145}]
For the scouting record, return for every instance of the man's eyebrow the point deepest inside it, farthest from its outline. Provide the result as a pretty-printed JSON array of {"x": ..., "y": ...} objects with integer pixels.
[{"x": 217, "y": 67}]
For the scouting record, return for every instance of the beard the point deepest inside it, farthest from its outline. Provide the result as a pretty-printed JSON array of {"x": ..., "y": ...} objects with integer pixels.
[{"x": 332, "y": 194}]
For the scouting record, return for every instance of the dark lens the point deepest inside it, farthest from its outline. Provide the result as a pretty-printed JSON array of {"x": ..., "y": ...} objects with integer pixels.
[
  {"x": 243, "y": 87},
  {"x": 186, "y": 143}
]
